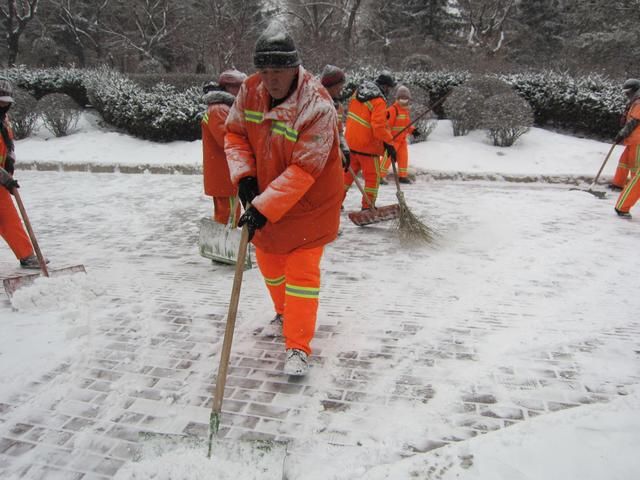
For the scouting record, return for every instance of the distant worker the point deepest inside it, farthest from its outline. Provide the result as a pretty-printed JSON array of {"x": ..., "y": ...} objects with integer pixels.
[
  {"x": 11, "y": 228},
  {"x": 215, "y": 170},
  {"x": 333, "y": 79},
  {"x": 399, "y": 121},
  {"x": 630, "y": 160},
  {"x": 368, "y": 134}
]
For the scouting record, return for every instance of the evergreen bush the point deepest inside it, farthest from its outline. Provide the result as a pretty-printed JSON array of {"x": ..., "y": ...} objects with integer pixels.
[
  {"x": 23, "y": 114},
  {"x": 506, "y": 116},
  {"x": 60, "y": 113}
]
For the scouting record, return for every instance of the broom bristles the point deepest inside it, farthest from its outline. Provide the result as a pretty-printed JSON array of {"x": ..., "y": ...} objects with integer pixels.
[{"x": 411, "y": 229}]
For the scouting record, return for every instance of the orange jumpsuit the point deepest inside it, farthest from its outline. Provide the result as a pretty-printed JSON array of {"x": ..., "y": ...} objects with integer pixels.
[
  {"x": 215, "y": 170},
  {"x": 399, "y": 118},
  {"x": 293, "y": 151},
  {"x": 11, "y": 228},
  {"x": 627, "y": 158},
  {"x": 630, "y": 160},
  {"x": 366, "y": 130}
]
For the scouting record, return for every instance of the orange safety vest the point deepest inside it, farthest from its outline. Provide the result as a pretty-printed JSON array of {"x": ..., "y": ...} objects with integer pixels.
[
  {"x": 366, "y": 127},
  {"x": 399, "y": 118},
  {"x": 293, "y": 151},
  {"x": 633, "y": 112},
  {"x": 215, "y": 170}
]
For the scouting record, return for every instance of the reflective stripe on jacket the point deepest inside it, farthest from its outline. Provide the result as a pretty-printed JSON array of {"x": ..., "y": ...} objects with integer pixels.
[
  {"x": 366, "y": 127},
  {"x": 293, "y": 151}
]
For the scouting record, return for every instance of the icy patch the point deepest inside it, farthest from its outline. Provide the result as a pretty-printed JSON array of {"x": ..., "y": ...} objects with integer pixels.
[
  {"x": 66, "y": 292},
  {"x": 230, "y": 460}
]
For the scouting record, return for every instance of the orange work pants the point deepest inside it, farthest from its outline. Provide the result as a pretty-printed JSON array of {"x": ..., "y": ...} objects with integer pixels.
[
  {"x": 11, "y": 228},
  {"x": 631, "y": 192},
  {"x": 402, "y": 152},
  {"x": 293, "y": 281},
  {"x": 222, "y": 207},
  {"x": 628, "y": 159},
  {"x": 370, "y": 167}
]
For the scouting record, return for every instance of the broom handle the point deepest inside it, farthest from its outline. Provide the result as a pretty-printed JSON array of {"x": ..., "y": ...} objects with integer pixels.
[
  {"x": 32, "y": 236},
  {"x": 429, "y": 108},
  {"x": 221, "y": 378},
  {"x": 359, "y": 185},
  {"x": 602, "y": 166}
]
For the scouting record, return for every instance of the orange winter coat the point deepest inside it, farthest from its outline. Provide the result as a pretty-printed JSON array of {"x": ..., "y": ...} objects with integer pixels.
[
  {"x": 399, "y": 118},
  {"x": 215, "y": 170},
  {"x": 293, "y": 151},
  {"x": 633, "y": 112},
  {"x": 366, "y": 127}
]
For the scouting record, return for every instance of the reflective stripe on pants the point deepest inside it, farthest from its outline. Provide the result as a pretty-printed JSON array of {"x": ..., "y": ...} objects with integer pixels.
[{"x": 370, "y": 167}]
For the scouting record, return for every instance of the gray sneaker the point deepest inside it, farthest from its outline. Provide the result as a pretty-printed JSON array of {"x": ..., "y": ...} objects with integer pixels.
[
  {"x": 296, "y": 362},
  {"x": 274, "y": 327}
]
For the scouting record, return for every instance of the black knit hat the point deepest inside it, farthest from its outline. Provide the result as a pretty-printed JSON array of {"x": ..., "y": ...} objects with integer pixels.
[
  {"x": 386, "y": 78},
  {"x": 275, "y": 48}
]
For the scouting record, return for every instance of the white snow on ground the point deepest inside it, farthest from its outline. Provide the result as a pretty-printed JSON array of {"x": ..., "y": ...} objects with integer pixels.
[{"x": 55, "y": 319}]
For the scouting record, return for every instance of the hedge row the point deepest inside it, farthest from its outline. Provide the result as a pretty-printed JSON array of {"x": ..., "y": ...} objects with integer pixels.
[{"x": 588, "y": 105}]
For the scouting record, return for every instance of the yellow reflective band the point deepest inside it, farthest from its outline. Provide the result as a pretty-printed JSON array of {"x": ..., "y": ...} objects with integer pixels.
[
  {"x": 371, "y": 190},
  {"x": 205, "y": 118},
  {"x": 253, "y": 116},
  {"x": 280, "y": 128},
  {"x": 358, "y": 119},
  {"x": 402, "y": 116},
  {"x": 274, "y": 282},
  {"x": 397, "y": 128},
  {"x": 302, "y": 292},
  {"x": 369, "y": 106}
]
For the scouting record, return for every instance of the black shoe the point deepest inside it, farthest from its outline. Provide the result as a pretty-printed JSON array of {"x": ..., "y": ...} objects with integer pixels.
[
  {"x": 404, "y": 180},
  {"x": 625, "y": 215},
  {"x": 614, "y": 187},
  {"x": 31, "y": 262}
]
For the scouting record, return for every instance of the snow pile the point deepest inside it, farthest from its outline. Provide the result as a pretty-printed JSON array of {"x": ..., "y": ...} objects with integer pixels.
[{"x": 63, "y": 293}]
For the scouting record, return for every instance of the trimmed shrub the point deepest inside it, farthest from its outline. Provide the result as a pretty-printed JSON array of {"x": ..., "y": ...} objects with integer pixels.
[
  {"x": 181, "y": 81},
  {"x": 506, "y": 116},
  {"x": 42, "y": 81},
  {"x": 464, "y": 110},
  {"x": 23, "y": 113},
  {"x": 60, "y": 113}
]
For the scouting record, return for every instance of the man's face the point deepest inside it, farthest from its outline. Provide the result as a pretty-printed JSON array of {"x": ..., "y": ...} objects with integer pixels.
[
  {"x": 335, "y": 90},
  {"x": 278, "y": 80}
]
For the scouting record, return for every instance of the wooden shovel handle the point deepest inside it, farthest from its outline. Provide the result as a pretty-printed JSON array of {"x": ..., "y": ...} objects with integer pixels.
[
  {"x": 32, "y": 236},
  {"x": 359, "y": 185}
]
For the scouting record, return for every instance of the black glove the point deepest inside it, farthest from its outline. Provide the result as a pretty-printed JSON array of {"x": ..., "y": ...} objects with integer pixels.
[
  {"x": 416, "y": 132},
  {"x": 247, "y": 190},
  {"x": 346, "y": 160},
  {"x": 7, "y": 181},
  {"x": 10, "y": 162},
  {"x": 391, "y": 151},
  {"x": 253, "y": 219}
]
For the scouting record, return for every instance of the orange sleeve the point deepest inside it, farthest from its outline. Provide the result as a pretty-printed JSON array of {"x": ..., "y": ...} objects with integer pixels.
[
  {"x": 379, "y": 125},
  {"x": 634, "y": 112},
  {"x": 217, "y": 118}
]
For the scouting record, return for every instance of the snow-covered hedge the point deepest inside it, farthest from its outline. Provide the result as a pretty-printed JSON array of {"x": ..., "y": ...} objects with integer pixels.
[{"x": 589, "y": 105}]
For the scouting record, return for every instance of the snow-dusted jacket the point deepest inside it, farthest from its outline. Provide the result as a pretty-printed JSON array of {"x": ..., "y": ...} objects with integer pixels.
[
  {"x": 631, "y": 129},
  {"x": 292, "y": 149},
  {"x": 399, "y": 118},
  {"x": 366, "y": 127},
  {"x": 215, "y": 170}
]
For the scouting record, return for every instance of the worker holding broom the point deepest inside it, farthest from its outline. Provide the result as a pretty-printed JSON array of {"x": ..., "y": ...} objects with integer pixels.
[
  {"x": 283, "y": 150},
  {"x": 215, "y": 170},
  {"x": 368, "y": 134},
  {"x": 399, "y": 116},
  {"x": 630, "y": 160},
  {"x": 11, "y": 227}
]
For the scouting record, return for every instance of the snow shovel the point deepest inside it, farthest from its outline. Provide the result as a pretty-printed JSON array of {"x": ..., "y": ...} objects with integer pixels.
[
  {"x": 374, "y": 214},
  {"x": 590, "y": 190},
  {"x": 12, "y": 284},
  {"x": 220, "y": 243}
]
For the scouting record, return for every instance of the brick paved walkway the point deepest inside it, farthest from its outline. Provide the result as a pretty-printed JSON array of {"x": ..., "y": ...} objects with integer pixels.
[{"x": 481, "y": 342}]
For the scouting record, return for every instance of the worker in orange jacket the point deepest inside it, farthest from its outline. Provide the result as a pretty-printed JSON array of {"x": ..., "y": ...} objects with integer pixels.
[
  {"x": 11, "y": 228},
  {"x": 368, "y": 134},
  {"x": 399, "y": 115},
  {"x": 630, "y": 160},
  {"x": 215, "y": 170},
  {"x": 283, "y": 150},
  {"x": 333, "y": 79}
]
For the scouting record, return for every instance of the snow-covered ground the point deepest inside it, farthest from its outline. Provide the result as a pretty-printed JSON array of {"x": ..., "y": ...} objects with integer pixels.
[{"x": 531, "y": 283}]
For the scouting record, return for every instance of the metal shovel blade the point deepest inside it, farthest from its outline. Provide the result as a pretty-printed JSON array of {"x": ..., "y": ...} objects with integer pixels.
[
  {"x": 12, "y": 284},
  {"x": 375, "y": 215},
  {"x": 595, "y": 193},
  {"x": 220, "y": 242}
]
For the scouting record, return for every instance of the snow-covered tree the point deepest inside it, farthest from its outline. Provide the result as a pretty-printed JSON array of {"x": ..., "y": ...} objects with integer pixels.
[{"x": 16, "y": 14}]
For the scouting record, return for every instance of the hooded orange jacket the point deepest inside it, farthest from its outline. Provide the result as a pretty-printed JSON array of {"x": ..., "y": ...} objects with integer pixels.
[
  {"x": 366, "y": 127},
  {"x": 293, "y": 151},
  {"x": 215, "y": 170}
]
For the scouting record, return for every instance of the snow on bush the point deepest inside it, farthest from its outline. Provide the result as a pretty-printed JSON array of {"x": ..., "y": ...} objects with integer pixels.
[
  {"x": 60, "y": 113},
  {"x": 463, "y": 108},
  {"x": 23, "y": 113},
  {"x": 506, "y": 116}
]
